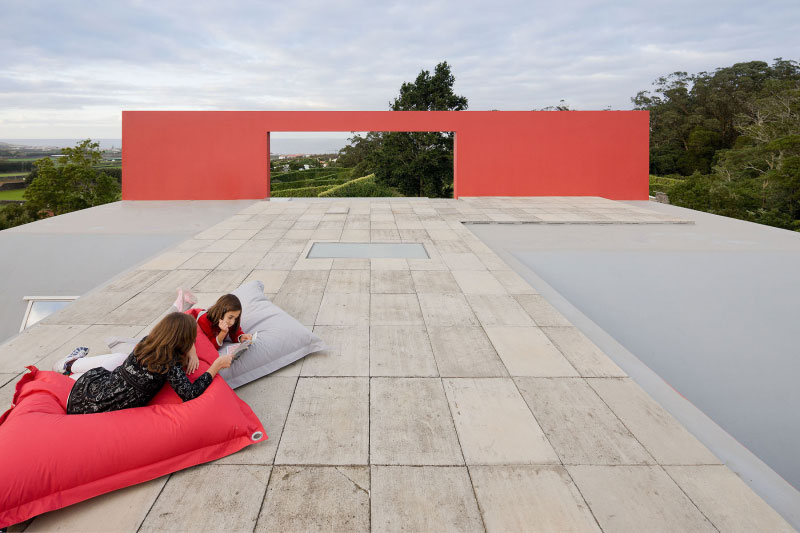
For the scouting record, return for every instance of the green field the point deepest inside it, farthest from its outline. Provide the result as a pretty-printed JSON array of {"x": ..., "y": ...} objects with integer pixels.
[
  {"x": 13, "y": 174},
  {"x": 14, "y": 194},
  {"x": 325, "y": 182}
]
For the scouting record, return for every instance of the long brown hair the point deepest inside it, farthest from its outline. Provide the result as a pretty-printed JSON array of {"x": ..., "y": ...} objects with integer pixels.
[
  {"x": 228, "y": 302},
  {"x": 168, "y": 343}
]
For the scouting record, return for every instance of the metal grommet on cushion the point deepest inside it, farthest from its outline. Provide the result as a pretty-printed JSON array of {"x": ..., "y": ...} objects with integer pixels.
[{"x": 257, "y": 436}]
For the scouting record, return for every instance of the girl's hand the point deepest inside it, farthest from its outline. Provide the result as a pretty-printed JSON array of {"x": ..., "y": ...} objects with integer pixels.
[
  {"x": 246, "y": 337},
  {"x": 223, "y": 326},
  {"x": 193, "y": 363},
  {"x": 223, "y": 361}
]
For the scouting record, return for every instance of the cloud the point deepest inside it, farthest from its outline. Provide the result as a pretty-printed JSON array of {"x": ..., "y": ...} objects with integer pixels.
[{"x": 78, "y": 64}]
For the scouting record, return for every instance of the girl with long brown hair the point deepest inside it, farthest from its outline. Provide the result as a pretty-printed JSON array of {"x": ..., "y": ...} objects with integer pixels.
[
  {"x": 158, "y": 358},
  {"x": 221, "y": 321}
]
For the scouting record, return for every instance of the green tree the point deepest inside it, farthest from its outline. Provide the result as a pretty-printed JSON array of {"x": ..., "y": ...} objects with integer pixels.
[
  {"x": 72, "y": 183},
  {"x": 415, "y": 163},
  {"x": 692, "y": 117},
  {"x": 15, "y": 215}
]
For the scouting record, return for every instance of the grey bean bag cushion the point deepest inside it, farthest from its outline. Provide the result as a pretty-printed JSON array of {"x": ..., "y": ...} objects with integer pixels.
[{"x": 281, "y": 340}]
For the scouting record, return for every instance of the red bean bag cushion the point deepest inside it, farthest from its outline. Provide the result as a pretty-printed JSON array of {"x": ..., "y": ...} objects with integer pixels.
[{"x": 49, "y": 459}]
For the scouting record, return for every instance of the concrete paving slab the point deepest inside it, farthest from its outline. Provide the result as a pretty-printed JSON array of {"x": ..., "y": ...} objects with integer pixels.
[
  {"x": 141, "y": 309},
  {"x": 478, "y": 282},
  {"x": 33, "y": 344},
  {"x": 637, "y": 498},
  {"x": 351, "y": 264},
  {"x": 452, "y": 247},
  {"x": 384, "y": 235},
  {"x": 584, "y": 355},
  {"x": 348, "y": 281},
  {"x": 167, "y": 261},
  {"x": 204, "y": 260},
  {"x": 389, "y": 264},
  {"x": 285, "y": 245},
  {"x": 278, "y": 261},
  {"x": 541, "y": 311},
  {"x": 442, "y": 310},
  {"x": 136, "y": 280},
  {"x": 344, "y": 310},
  {"x": 305, "y": 281},
  {"x": 221, "y": 281},
  {"x": 119, "y": 511},
  {"x": 261, "y": 246},
  {"x": 7, "y": 390},
  {"x": 726, "y": 500},
  {"x": 465, "y": 352},
  {"x": 410, "y": 423},
  {"x": 185, "y": 279},
  {"x": 192, "y": 245},
  {"x": 401, "y": 351},
  {"x": 530, "y": 498},
  {"x": 395, "y": 310},
  {"x": 90, "y": 308},
  {"x": 463, "y": 261},
  {"x": 424, "y": 499},
  {"x": 328, "y": 423},
  {"x": 242, "y": 260},
  {"x": 225, "y": 245},
  {"x": 269, "y": 398},
  {"x": 391, "y": 282},
  {"x": 494, "y": 425},
  {"x": 301, "y": 499},
  {"x": 348, "y": 354},
  {"x": 241, "y": 234},
  {"x": 313, "y": 264},
  {"x": 434, "y": 282},
  {"x": 491, "y": 261},
  {"x": 498, "y": 310},
  {"x": 210, "y": 498},
  {"x": 513, "y": 282},
  {"x": 666, "y": 440},
  {"x": 426, "y": 265},
  {"x": 355, "y": 235},
  {"x": 579, "y": 425},
  {"x": 272, "y": 279},
  {"x": 302, "y": 306},
  {"x": 526, "y": 351}
]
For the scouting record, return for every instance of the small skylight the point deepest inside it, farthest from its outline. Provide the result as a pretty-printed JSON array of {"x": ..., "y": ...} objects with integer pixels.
[{"x": 40, "y": 307}]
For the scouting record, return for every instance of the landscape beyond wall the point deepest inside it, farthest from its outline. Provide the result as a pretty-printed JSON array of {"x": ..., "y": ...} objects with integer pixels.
[{"x": 224, "y": 155}]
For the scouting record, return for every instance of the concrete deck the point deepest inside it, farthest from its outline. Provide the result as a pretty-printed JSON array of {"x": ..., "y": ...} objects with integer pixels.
[{"x": 454, "y": 397}]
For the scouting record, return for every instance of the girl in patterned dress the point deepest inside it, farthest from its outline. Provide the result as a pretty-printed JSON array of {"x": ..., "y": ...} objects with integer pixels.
[{"x": 158, "y": 358}]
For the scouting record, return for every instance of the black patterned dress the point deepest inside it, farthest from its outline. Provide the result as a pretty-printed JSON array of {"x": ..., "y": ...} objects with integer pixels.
[{"x": 129, "y": 385}]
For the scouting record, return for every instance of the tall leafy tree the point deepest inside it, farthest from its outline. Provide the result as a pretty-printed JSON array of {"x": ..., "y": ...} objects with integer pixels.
[
  {"x": 71, "y": 183},
  {"x": 694, "y": 116},
  {"x": 416, "y": 163}
]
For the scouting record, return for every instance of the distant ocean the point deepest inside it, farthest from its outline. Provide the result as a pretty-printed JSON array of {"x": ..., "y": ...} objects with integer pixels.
[{"x": 321, "y": 145}]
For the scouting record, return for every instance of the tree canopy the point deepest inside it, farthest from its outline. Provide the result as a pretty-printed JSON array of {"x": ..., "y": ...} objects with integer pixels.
[
  {"x": 414, "y": 163},
  {"x": 68, "y": 184},
  {"x": 733, "y": 139}
]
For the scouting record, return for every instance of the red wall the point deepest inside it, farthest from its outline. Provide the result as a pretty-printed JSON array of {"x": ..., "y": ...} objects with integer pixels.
[{"x": 224, "y": 155}]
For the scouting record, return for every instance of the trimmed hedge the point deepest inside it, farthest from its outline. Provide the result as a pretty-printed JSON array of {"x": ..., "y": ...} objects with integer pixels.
[
  {"x": 365, "y": 186},
  {"x": 300, "y": 175},
  {"x": 663, "y": 184},
  {"x": 307, "y": 183}
]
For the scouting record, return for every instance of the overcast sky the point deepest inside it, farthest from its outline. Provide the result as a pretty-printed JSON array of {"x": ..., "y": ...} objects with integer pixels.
[{"x": 67, "y": 69}]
